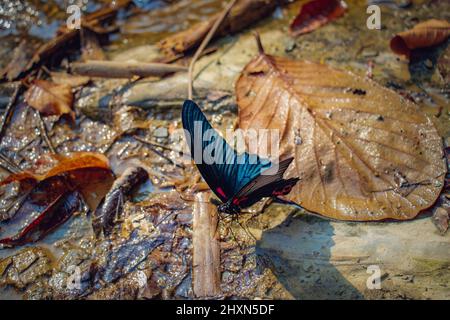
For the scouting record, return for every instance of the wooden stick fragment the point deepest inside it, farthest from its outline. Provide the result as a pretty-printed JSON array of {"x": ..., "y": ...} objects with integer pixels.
[
  {"x": 120, "y": 69},
  {"x": 206, "y": 256},
  {"x": 244, "y": 13}
]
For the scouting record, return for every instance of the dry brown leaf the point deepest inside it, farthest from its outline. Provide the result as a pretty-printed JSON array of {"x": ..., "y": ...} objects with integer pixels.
[
  {"x": 315, "y": 14},
  {"x": 88, "y": 172},
  {"x": 424, "y": 34},
  {"x": 69, "y": 79},
  {"x": 50, "y": 98},
  {"x": 362, "y": 151}
]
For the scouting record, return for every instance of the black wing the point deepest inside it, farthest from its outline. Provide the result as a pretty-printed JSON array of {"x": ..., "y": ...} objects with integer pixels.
[
  {"x": 228, "y": 172},
  {"x": 267, "y": 185}
]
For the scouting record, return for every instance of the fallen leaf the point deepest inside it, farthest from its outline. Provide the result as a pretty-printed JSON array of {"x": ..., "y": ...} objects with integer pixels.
[
  {"x": 59, "y": 211},
  {"x": 50, "y": 98},
  {"x": 315, "y": 14},
  {"x": 69, "y": 79},
  {"x": 425, "y": 34},
  {"x": 53, "y": 197},
  {"x": 362, "y": 151},
  {"x": 111, "y": 205},
  {"x": 86, "y": 172}
]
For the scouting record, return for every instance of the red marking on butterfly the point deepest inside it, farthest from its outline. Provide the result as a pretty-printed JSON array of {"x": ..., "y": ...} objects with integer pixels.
[
  {"x": 237, "y": 201},
  {"x": 283, "y": 191},
  {"x": 220, "y": 191}
]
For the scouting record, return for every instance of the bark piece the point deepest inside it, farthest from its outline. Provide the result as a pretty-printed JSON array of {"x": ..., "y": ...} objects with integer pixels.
[
  {"x": 206, "y": 257},
  {"x": 130, "y": 69}
]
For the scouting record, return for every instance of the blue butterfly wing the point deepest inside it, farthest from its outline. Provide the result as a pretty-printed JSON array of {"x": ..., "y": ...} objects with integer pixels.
[{"x": 223, "y": 169}]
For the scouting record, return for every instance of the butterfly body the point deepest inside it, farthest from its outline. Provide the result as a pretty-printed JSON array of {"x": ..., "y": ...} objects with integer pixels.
[{"x": 238, "y": 180}]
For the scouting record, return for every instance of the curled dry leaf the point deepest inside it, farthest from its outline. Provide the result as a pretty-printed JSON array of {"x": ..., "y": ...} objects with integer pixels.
[
  {"x": 362, "y": 151},
  {"x": 87, "y": 172},
  {"x": 55, "y": 196},
  {"x": 55, "y": 214},
  {"x": 111, "y": 206},
  {"x": 315, "y": 14},
  {"x": 50, "y": 98},
  {"x": 425, "y": 34}
]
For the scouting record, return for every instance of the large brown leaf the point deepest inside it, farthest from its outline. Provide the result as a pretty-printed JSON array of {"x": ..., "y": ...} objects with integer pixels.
[{"x": 362, "y": 151}]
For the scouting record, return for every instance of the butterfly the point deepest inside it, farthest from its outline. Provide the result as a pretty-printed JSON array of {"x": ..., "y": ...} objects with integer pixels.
[{"x": 238, "y": 180}]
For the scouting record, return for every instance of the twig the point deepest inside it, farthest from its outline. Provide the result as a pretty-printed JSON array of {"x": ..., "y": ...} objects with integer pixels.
[
  {"x": 205, "y": 43},
  {"x": 9, "y": 109},
  {"x": 10, "y": 165},
  {"x": 65, "y": 35},
  {"x": 159, "y": 153},
  {"x": 121, "y": 69},
  {"x": 158, "y": 145},
  {"x": 44, "y": 133},
  {"x": 206, "y": 248},
  {"x": 259, "y": 43}
]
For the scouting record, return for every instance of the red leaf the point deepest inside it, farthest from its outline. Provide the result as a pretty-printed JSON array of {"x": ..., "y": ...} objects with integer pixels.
[
  {"x": 315, "y": 14},
  {"x": 55, "y": 214}
]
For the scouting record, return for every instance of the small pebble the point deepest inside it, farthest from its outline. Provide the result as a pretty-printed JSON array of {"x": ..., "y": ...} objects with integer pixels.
[
  {"x": 161, "y": 132},
  {"x": 369, "y": 53},
  {"x": 428, "y": 64},
  {"x": 290, "y": 45}
]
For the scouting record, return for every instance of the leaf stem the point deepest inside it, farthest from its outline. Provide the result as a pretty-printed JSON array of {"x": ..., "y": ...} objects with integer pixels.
[
  {"x": 259, "y": 43},
  {"x": 204, "y": 43},
  {"x": 44, "y": 133}
]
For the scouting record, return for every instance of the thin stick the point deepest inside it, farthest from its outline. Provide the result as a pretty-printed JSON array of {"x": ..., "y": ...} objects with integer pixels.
[
  {"x": 10, "y": 165},
  {"x": 259, "y": 43},
  {"x": 9, "y": 109},
  {"x": 44, "y": 133},
  {"x": 157, "y": 145},
  {"x": 159, "y": 153},
  {"x": 205, "y": 43},
  {"x": 123, "y": 69}
]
